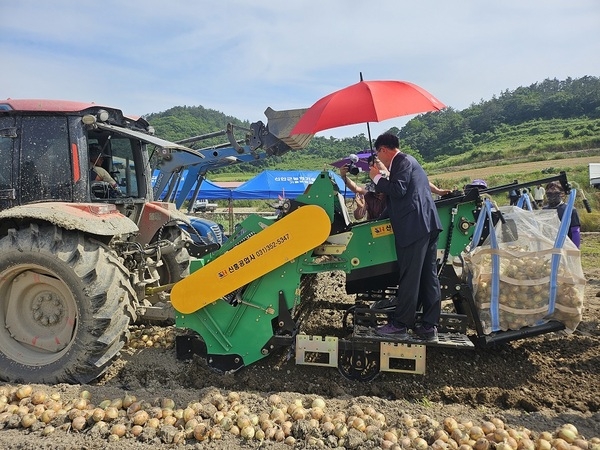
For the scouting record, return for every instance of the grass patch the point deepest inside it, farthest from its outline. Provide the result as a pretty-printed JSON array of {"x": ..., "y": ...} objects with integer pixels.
[
  {"x": 589, "y": 221},
  {"x": 425, "y": 402},
  {"x": 590, "y": 251}
]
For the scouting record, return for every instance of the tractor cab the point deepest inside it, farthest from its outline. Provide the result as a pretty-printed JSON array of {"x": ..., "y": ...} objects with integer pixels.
[{"x": 45, "y": 153}]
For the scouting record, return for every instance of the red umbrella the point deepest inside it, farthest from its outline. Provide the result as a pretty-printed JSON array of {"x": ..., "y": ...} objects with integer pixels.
[{"x": 366, "y": 101}]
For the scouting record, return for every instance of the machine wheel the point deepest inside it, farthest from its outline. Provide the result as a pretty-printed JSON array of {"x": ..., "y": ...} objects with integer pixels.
[
  {"x": 358, "y": 365},
  {"x": 176, "y": 261},
  {"x": 65, "y": 306}
]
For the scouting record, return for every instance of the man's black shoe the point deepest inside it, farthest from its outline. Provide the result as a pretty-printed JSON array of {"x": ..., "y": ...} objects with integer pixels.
[
  {"x": 427, "y": 332},
  {"x": 391, "y": 330}
]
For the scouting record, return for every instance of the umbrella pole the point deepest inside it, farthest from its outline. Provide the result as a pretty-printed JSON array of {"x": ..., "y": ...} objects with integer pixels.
[
  {"x": 368, "y": 127},
  {"x": 370, "y": 141}
]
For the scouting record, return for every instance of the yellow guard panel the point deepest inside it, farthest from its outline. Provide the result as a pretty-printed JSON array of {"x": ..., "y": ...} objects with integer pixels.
[{"x": 289, "y": 237}]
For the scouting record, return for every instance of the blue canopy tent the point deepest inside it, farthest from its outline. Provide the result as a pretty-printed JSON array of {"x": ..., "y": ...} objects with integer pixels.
[
  {"x": 267, "y": 185},
  {"x": 211, "y": 191},
  {"x": 272, "y": 184}
]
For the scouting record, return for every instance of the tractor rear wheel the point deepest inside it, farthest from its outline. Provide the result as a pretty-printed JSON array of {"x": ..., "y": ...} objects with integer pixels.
[{"x": 65, "y": 306}]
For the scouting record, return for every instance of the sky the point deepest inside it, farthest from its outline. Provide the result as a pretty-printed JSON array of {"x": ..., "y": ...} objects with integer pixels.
[{"x": 241, "y": 56}]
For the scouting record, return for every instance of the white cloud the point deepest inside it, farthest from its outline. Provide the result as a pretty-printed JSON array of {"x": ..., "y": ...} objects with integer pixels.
[{"x": 241, "y": 56}]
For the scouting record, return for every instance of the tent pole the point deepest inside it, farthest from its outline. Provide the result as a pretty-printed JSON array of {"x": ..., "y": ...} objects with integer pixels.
[{"x": 230, "y": 216}]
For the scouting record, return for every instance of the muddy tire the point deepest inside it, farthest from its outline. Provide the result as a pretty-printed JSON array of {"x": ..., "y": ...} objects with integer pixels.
[
  {"x": 173, "y": 266},
  {"x": 175, "y": 263},
  {"x": 65, "y": 306}
]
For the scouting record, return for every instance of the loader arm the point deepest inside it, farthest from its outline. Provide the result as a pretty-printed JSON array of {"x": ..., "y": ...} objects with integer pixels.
[{"x": 258, "y": 142}]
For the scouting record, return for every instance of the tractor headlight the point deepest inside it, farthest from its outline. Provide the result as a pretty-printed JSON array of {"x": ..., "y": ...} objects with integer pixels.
[
  {"x": 102, "y": 115},
  {"x": 88, "y": 119}
]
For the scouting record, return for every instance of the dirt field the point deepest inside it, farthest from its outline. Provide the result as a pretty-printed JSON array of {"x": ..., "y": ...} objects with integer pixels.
[
  {"x": 538, "y": 384},
  {"x": 519, "y": 168}
]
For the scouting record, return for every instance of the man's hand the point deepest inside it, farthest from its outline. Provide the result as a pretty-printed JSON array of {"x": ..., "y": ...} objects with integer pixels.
[
  {"x": 117, "y": 189},
  {"x": 377, "y": 169},
  {"x": 437, "y": 190},
  {"x": 360, "y": 200},
  {"x": 361, "y": 211}
]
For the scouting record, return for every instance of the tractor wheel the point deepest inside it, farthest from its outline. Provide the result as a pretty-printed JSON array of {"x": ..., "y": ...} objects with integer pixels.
[
  {"x": 174, "y": 265},
  {"x": 176, "y": 261},
  {"x": 65, "y": 306}
]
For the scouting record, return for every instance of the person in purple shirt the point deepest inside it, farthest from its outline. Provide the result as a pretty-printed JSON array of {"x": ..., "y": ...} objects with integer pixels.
[{"x": 555, "y": 195}]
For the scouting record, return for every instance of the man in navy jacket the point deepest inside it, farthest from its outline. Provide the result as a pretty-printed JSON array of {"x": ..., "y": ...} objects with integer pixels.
[{"x": 416, "y": 225}]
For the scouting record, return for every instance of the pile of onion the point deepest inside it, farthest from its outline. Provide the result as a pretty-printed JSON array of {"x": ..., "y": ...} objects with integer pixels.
[{"x": 305, "y": 420}]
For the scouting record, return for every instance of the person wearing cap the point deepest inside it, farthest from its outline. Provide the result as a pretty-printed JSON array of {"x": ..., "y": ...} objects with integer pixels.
[
  {"x": 478, "y": 184},
  {"x": 555, "y": 195},
  {"x": 97, "y": 172}
]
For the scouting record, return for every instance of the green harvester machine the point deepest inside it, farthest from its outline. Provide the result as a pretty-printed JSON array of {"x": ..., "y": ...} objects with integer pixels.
[{"x": 247, "y": 300}]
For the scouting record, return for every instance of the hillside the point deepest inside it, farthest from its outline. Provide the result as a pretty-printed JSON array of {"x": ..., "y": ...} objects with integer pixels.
[
  {"x": 522, "y": 169},
  {"x": 526, "y": 124}
]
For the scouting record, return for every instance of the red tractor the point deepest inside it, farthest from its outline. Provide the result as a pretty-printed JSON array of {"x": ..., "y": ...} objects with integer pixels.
[{"x": 83, "y": 256}]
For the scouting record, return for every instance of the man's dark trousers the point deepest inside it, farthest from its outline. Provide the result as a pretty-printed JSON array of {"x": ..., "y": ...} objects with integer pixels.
[{"x": 418, "y": 283}]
